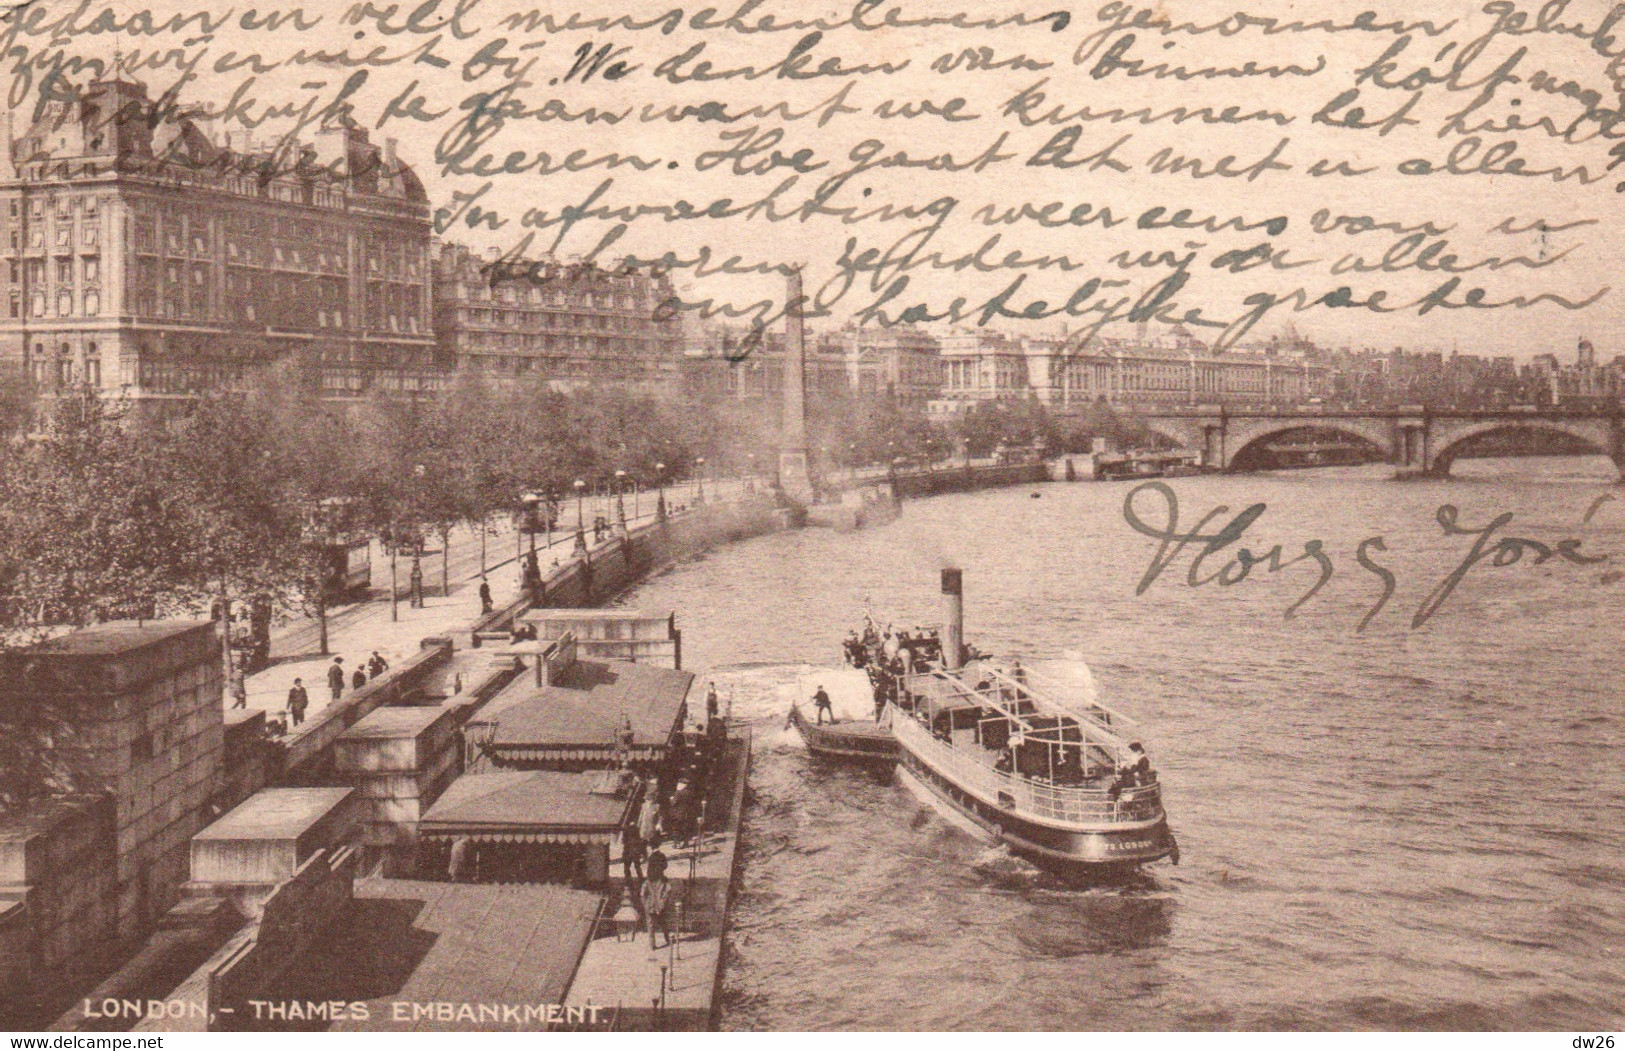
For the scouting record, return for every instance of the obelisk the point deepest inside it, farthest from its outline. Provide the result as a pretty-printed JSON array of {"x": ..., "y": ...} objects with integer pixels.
[{"x": 794, "y": 478}]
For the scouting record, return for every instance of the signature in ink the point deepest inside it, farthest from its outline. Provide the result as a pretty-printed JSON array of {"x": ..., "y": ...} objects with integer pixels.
[{"x": 1489, "y": 545}]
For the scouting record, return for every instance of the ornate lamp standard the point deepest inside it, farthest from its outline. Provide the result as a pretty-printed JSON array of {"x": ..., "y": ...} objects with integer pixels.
[
  {"x": 699, "y": 480},
  {"x": 620, "y": 499},
  {"x": 660, "y": 504},
  {"x": 416, "y": 600},
  {"x": 532, "y": 573},
  {"x": 581, "y": 525}
]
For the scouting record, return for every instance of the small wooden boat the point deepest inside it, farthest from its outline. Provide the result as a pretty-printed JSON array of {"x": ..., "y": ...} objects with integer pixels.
[{"x": 851, "y": 739}]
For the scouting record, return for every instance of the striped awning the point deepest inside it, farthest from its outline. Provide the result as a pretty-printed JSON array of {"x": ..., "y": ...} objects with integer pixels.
[
  {"x": 578, "y": 753},
  {"x": 555, "y": 837}
]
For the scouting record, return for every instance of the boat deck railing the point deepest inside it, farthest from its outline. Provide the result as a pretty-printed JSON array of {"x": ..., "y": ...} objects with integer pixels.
[
  {"x": 1095, "y": 723},
  {"x": 1023, "y": 795},
  {"x": 1087, "y": 707}
]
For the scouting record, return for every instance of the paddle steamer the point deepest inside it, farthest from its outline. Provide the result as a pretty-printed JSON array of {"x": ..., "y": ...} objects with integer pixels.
[{"x": 1047, "y": 770}]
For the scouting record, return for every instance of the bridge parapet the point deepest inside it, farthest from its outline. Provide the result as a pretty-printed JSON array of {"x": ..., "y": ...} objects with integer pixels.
[{"x": 1416, "y": 440}]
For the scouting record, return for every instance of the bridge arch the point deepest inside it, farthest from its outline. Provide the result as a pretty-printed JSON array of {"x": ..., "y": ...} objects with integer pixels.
[
  {"x": 1183, "y": 432},
  {"x": 1247, "y": 436},
  {"x": 1598, "y": 434}
]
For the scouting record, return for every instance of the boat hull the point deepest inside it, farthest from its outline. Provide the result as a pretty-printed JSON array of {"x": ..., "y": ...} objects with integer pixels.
[
  {"x": 862, "y": 742},
  {"x": 1091, "y": 851}
]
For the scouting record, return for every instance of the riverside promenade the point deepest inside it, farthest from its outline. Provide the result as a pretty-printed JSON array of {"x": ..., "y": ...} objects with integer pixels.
[{"x": 356, "y": 630}]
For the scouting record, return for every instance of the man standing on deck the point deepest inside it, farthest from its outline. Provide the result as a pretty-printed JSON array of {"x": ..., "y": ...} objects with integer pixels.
[{"x": 821, "y": 705}]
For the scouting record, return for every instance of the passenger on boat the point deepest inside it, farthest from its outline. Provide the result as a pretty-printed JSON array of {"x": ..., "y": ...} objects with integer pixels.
[
  {"x": 1135, "y": 769},
  {"x": 1006, "y": 763},
  {"x": 821, "y": 705}
]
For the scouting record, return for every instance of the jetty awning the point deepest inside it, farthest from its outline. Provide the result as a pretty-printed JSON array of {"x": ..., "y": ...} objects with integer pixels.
[
  {"x": 443, "y": 957},
  {"x": 515, "y": 806},
  {"x": 581, "y": 715}
]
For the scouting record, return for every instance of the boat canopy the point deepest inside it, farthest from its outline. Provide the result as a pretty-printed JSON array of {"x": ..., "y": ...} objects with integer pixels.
[{"x": 1034, "y": 714}]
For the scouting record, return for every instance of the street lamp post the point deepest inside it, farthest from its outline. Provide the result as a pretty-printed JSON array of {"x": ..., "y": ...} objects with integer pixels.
[
  {"x": 620, "y": 500},
  {"x": 394, "y": 584},
  {"x": 699, "y": 480},
  {"x": 660, "y": 503},
  {"x": 532, "y": 571},
  {"x": 416, "y": 599},
  {"x": 581, "y": 525}
]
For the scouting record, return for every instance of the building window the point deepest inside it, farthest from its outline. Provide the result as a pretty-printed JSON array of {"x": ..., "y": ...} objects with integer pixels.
[
  {"x": 36, "y": 305},
  {"x": 16, "y": 304},
  {"x": 64, "y": 236},
  {"x": 64, "y": 304},
  {"x": 93, "y": 303},
  {"x": 92, "y": 268},
  {"x": 64, "y": 271},
  {"x": 89, "y": 235}
]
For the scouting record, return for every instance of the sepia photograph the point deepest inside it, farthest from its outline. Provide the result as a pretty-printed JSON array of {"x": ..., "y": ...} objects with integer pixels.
[{"x": 934, "y": 516}]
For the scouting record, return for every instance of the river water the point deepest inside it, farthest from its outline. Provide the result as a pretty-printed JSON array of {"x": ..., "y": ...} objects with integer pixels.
[{"x": 1405, "y": 828}]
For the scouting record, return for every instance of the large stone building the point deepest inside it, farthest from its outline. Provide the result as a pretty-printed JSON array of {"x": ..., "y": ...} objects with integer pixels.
[
  {"x": 1173, "y": 370},
  {"x": 573, "y": 324},
  {"x": 143, "y": 257},
  {"x": 726, "y": 361},
  {"x": 902, "y": 361}
]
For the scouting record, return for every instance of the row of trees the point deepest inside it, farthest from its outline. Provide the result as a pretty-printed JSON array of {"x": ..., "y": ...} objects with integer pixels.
[{"x": 108, "y": 512}]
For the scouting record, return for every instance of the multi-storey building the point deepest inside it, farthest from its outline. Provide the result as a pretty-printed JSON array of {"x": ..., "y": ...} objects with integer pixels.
[
  {"x": 1178, "y": 370},
  {"x": 142, "y": 257},
  {"x": 983, "y": 365},
  {"x": 902, "y": 361},
  {"x": 726, "y": 361},
  {"x": 572, "y": 324}
]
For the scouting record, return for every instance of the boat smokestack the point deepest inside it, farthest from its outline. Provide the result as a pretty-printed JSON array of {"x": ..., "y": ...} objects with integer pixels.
[{"x": 953, "y": 606}]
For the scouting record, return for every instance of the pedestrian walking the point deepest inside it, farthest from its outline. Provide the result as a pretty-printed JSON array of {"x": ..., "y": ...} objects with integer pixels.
[
  {"x": 239, "y": 689},
  {"x": 298, "y": 701},
  {"x": 649, "y": 817},
  {"x": 461, "y": 866},
  {"x": 632, "y": 852},
  {"x": 656, "y": 907},
  {"x": 485, "y": 595},
  {"x": 335, "y": 677},
  {"x": 712, "y": 703},
  {"x": 359, "y": 679},
  {"x": 377, "y": 665}
]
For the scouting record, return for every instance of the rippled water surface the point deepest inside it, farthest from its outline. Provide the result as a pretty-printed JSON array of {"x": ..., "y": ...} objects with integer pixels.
[{"x": 1396, "y": 829}]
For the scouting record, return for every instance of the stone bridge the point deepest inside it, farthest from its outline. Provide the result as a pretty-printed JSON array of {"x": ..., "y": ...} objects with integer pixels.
[{"x": 1424, "y": 441}]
